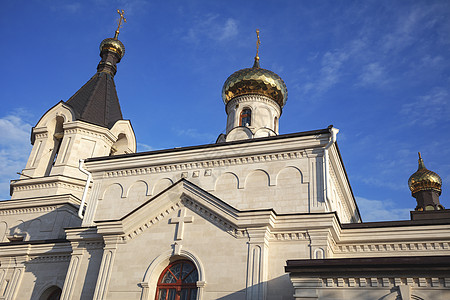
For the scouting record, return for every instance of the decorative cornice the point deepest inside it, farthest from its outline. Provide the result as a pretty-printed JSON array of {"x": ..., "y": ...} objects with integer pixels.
[
  {"x": 108, "y": 138},
  {"x": 152, "y": 221},
  {"x": 49, "y": 259},
  {"x": 354, "y": 282},
  {"x": 194, "y": 206},
  {"x": 27, "y": 210},
  {"x": 289, "y": 236},
  {"x": 214, "y": 218},
  {"x": 394, "y": 247},
  {"x": 253, "y": 98},
  {"x": 41, "y": 135},
  {"x": 208, "y": 164},
  {"x": 47, "y": 186}
]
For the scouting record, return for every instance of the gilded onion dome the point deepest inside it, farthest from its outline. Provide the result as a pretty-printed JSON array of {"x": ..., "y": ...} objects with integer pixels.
[
  {"x": 424, "y": 179},
  {"x": 255, "y": 80},
  {"x": 113, "y": 45}
]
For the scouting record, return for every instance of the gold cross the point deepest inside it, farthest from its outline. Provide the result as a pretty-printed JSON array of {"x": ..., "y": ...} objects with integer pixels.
[
  {"x": 120, "y": 22},
  {"x": 258, "y": 42}
]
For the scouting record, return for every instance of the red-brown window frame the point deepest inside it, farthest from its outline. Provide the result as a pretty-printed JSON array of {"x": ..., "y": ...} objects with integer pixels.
[
  {"x": 245, "y": 114},
  {"x": 178, "y": 286}
]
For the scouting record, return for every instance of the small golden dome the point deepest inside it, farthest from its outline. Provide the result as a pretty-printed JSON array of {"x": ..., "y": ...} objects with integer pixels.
[
  {"x": 424, "y": 179},
  {"x": 113, "y": 45},
  {"x": 255, "y": 80}
]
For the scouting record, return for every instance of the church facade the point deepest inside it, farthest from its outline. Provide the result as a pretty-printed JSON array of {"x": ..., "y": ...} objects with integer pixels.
[{"x": 257, "y": 215}]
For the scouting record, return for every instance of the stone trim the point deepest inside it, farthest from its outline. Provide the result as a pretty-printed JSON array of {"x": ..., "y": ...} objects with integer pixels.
[
  {"x": 47, "y": 186},
  {"x": 289, "y": 236},
  {"x": 102, "y": 136},
  {"x": 253, "y": 98},
  {"x": 194, "y": 206},
  {"x": 41, "y": 135},
  {"x": 134, "y": 233},
  {"x": 215, "y": 219},
  {"x": 352, "y": 282},
  {"x": 49, "y": 259},
  {"x": 386, "y": 247},
  {"x": 207, "y": 164},
  {"x": 29, "y": 210}
]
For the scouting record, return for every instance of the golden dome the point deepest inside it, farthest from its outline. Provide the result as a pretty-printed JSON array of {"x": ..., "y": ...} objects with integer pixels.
[
  {"x": 255, "y": 80},
  {"x": 113, "y": 45},
  {"x": 424, "y": 179}
]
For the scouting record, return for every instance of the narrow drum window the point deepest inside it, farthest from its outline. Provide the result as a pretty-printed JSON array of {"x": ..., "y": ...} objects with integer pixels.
[
  {"x": 178, "y": 282},
  {"x": 246, "y": 117}
]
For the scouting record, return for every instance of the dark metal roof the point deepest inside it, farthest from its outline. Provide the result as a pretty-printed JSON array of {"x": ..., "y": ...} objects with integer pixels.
[
  {"x": 96, "y": 102},
  {"x": 216, "y": 145},
  {"x": 368, "y": 264}
]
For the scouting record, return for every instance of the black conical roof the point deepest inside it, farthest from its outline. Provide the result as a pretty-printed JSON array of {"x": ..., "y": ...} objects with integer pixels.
[{"x": 96, "y": 102}]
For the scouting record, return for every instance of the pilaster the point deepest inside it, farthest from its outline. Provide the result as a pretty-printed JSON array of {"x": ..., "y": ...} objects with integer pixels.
[
  {"x": 257, "y": 264},
  {"x": 72, "y": 273},
  {"x": 11, "y": 284},
  {"x": 104, "y": 276}
]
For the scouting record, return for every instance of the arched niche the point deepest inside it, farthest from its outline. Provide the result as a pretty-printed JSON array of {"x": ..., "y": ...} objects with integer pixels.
[
  {"x": 227, "y": 181},
  {"x": 257, "y": 179},
  {"x": 289, "y": 176},
  {"x": 138, "y": 191},
  {"x": 226, "y": 189},
  {"x": 161, "y": 185},
  {"x": 292, "y": 193},
  {"x": 112, "y": 192},
  {"x": 34, "y": 230}
]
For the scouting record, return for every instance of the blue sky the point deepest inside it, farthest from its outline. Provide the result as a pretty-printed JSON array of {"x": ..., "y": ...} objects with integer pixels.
[{"x": 377, "y": 70}]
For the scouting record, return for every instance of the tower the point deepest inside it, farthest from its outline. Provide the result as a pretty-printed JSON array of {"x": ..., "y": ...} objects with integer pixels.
[
  {"x": 425, "y": 186},
  {"x": 254, "y": 98},
  {"x": 87, "y": 125}
]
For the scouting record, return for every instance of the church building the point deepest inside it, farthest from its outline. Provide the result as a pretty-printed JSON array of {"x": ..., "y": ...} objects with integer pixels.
[{"x": 256, "y": 215}]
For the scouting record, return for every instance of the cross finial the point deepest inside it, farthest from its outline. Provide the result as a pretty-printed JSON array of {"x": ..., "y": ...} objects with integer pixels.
[
  {"x": 258, "y": 42},
  {"x": 119, "y": 25}
]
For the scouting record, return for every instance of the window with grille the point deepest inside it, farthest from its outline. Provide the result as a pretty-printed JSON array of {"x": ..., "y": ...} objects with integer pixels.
[{"x": 178, "y": 282}]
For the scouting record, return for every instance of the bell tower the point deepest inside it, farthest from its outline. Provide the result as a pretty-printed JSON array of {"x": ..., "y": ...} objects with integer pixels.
[{"x": 89, "y": 124}]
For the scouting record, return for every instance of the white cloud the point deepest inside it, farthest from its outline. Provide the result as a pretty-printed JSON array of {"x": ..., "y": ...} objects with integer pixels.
[
  {"x": 377, "y": 210},
  {"x": 14, "y": 150},
  {"x": 373, "y": 74},
  {"x": 212, "y": 27},
  {"x": 429, "y": 109},
  {"x": 230, "y": 30},
  {"x": 193, "y": 133},
  {"x": 64, "y": 6},
  {"x": 144, "y": 147},
  {"x": 332, "y": 65}
]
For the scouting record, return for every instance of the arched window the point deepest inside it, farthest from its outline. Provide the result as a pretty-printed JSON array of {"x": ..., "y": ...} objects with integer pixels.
[
  {"x": 178, "y": 282},
  {"x": 246, "y": 117}
]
